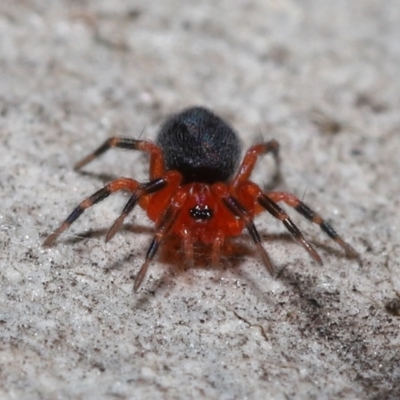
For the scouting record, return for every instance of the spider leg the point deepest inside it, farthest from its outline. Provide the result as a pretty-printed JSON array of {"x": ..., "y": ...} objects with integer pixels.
[
  {"x": 237, "y": 209},
  {"x": 127, "y": 184},
  {"x": 187, "y": 246},
  {"x": 156, "y": 154},
  {"x": 216, "y": 248},
  {"x": 305, "y": 211},
  {"x": 273, "y": 208},
  {"x": 142, "y": 190},
  {"x": 164, "y": 227},
  {"x": 250, "y": 159}
]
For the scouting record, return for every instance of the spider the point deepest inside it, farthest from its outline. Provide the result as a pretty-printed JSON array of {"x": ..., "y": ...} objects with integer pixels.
[{"x": 197, "y": 190}]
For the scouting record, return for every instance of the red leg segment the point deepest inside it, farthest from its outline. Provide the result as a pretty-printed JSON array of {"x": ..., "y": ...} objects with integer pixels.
[
  {"x": 250, "y": 159},
  {"x": 216, "y": 248},
  {"x": 164, "y": 226},
  {"x": 187, "y": 245}
]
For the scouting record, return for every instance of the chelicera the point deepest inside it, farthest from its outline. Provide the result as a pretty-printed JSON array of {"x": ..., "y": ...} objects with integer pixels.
[{"x": 197, "y": 190}]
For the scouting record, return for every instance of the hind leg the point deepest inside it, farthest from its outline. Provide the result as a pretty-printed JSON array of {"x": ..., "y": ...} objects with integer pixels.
[{"x": 156, "y": 154}]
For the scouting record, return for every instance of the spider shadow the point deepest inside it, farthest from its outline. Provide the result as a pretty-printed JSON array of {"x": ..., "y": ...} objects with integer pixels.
[
  {"x": 175, "y": 267},
  {"x": 103, "y": 177},
  {"x": 172, "y": 259},
  {"x": 304, "y": 284},
  {"x": 234, "y": 253},
  {"x": 338, "y": 253},
  {"x": 101, "y": 233}
]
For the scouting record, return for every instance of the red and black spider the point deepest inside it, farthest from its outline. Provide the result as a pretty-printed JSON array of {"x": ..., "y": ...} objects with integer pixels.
[{"x": 194, "y": 192}]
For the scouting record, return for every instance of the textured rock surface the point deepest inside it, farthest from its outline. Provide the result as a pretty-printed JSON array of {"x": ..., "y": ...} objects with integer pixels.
[{"x": 321, "y": 78}]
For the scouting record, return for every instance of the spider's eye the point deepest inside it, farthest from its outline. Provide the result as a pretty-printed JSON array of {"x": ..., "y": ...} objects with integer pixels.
[{"x": 201, "y": 213}]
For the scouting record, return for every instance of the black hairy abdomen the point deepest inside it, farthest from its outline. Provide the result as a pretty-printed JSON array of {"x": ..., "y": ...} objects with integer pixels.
[{"x": 200, "y": 145}]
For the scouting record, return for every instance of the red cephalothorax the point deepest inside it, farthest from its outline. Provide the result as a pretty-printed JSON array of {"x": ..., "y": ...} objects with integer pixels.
[{"x": 197, "y": 191}]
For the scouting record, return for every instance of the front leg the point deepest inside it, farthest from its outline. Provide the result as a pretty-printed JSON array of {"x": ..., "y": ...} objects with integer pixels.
[
  {"x": 168, "y": 219},
  {"x": 127, "y": 184}
]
